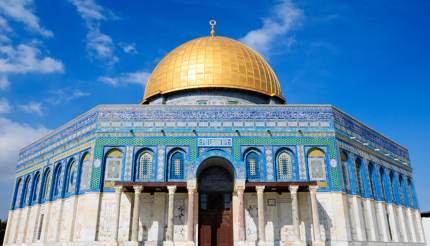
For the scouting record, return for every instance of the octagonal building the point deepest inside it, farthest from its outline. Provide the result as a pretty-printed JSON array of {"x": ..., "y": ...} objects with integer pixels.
[{"x": 213, "y": 155}]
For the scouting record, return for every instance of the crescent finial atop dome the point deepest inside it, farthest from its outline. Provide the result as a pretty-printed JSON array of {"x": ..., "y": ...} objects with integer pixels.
[{"x": 212, "y": 23}]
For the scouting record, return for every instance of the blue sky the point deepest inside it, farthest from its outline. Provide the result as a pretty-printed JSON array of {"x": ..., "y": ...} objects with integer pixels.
[{"x": 60, "y": 58}]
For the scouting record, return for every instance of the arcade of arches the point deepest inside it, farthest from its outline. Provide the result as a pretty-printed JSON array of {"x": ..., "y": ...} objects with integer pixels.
[{"x": 215, "y": 199}]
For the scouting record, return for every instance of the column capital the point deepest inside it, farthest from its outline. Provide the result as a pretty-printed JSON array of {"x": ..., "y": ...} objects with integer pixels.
[
  {"x": 119, "y": 189},
  {"x": 260, "y": 188},
  {"x": 293, "y": 189},
  {"x": 313, "y": 188},
  {"x": 138, "y": 188},
  {"x": 171, "y": 189},
  {"x": 191, "y": 184}
]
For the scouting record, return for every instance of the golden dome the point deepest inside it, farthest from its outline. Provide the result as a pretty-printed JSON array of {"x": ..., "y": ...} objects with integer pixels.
[{"x": 212, "y": 62}]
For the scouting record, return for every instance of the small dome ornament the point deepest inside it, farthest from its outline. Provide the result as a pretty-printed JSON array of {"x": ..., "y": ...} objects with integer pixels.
[{"x": 212, "y": 23}]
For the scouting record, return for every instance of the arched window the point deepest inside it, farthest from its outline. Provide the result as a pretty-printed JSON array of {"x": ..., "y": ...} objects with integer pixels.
[
  {"x": 409, "y": 190},
  {"x": 392, "y": 186},
  {"x": 25, "y": 192},
  {"x": 316, "y": 164},
  {"x": 145, "y": 165},
  {"x": 47, "y": 185},
  {"x": 85, "y": 172},
  {"x": 35, "y": 190},
  {"x": 284, "y": 165},
  {"x": 252, "y": 159},
  {"x": 371, "y": 170},
  {"x": 113, "y": 165},
  {"x": 381, "y": 182},
  {"x": 58, "y": 181},
  {"x": 345, "y": 170},
  {"x": 18, "y": 189},
  {"x": 177, "y": 160},
  {"x": 71, "y": 177},
  {"x": 359, "y": 182},
  {"x": 401, "y": 194}
]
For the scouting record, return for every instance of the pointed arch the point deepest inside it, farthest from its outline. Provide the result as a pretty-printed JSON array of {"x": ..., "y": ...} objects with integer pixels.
[
  {"x": 47, "y": 180},
  {"x": 85, "y": 172},
  {"x": 176, "y": 164},
  {"x": 344, "y": 159},
  {"x": 35, "y": 188},
  {"x": 358, "y": 165},
  {"x": 144, "y": 165},
  {"x": 25, "y": 192},
  {"x": 113, "y": 163},
  {"x": 284, "y": 164},
  {"x": 17, "y": 193},
  {"x": 253, "y": 160},
  {"x": 58, "y": 180},
  {"x": 316, "y": 162},
  {"x": 71, "y": 177}
]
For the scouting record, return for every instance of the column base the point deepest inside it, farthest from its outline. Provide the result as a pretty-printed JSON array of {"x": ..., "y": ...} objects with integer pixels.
[
  {"x": 131, "y": 243},
  {"x": 293, "y": 243},
  {"x": 168, "y": 243},
  {"x": 318, "y": 243}
]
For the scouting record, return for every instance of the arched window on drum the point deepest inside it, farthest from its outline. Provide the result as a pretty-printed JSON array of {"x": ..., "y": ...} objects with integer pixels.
[
  {"x": 85, "y": 172},
  {"x": 145, "y": 165},
  {"x": 252, "y": 160},
  {"x": 47, "y": 179},
  {"x": 284, "y": 165},
  {"x": 316, "y": 162},
  {"x": 177, "y": 161},
  {"x": 71, "y": 177},
  {"x": 113, "y": 167}
]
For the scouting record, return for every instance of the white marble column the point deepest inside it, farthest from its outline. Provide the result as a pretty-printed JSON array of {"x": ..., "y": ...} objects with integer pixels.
[
  {"x": 382, "y": 219},
  {"x": 419, "y": 226},
  {"x": 27, "y": 215},
  {"x": 190, "y": 217},
  {"x": 18, "y": 222},
  {"x": 261, "y": 218},
  {"x": 59, "y": 220},
  {"x": 370, "y": 219},
  {"x": 72, "y": 226},
  {"x": 392, "y": 222},
  {"x": 136, "y": 213},
  {"x": 8, "y": 226},
  {"x": 118, "y": 194},
  {"x": 46, "y": 221},
  {"x": 241, "y": 212},
  {"x": 411, "y": 225},
  {"x": 358, "y": 218},
  {"x": 402, "y": 224},
  {"x": 295, "y": 211},
  {"x": 315, "y": 214},
  {"x": 169, "y": 234}
]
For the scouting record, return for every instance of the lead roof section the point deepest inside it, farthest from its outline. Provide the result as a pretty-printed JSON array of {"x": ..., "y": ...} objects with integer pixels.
[{"x": 278, "y": 119}]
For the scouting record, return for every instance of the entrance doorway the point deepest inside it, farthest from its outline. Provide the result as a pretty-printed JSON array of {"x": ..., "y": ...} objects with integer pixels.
[{"x": 215, "y": 184}]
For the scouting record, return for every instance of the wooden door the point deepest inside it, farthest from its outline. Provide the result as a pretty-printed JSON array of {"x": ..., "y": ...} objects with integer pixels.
[{"x": 215, "y": 219}]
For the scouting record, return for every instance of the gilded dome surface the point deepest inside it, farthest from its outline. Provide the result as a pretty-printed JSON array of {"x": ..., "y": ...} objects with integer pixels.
[{"x": 212, "y": 62}]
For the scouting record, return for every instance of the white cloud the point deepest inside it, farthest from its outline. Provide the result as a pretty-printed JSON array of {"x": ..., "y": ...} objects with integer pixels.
[
  {"x": 4, "y": 26},
  {"x": 4, "y": 82},
  {"x": 4, "y": 106},
  {"x": 23, "y": 11},
  {"x": 139, "y": 77},
  {"x": 284, "y": 17},
  {"x": 27, "y": 58},
  {"x": 99, "y": 45},
  {"x": 129, "y": 48},
  {"x": 65, "y": 95},
  {"x": 13, "y": 136},
  {"x": 32, "y": 107}
]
